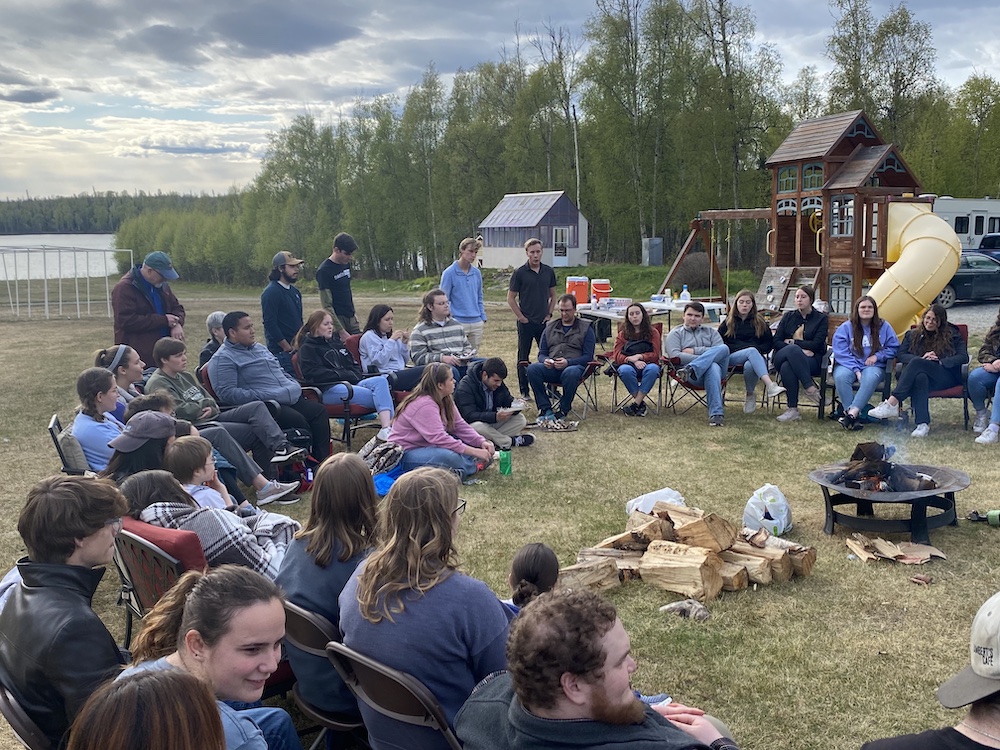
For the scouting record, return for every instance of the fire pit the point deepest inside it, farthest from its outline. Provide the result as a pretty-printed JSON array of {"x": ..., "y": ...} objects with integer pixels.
[{"x": 934, "y": 487}]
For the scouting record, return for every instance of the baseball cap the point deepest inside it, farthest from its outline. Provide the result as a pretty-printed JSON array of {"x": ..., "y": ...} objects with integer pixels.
[
  {"x": 285, "y": 259},
  {"x": 160, "y": 261},
  {"x": 144, "y": 426},
  {"x": 981, "y": 678},
  {"x": 345, "y": 243}
]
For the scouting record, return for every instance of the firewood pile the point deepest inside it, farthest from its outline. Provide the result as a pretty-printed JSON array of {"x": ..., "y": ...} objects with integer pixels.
[{"x": 689, "y": 552}]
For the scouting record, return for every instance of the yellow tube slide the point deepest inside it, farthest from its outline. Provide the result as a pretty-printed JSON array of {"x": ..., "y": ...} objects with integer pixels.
[{"x": 926, "y": 252}]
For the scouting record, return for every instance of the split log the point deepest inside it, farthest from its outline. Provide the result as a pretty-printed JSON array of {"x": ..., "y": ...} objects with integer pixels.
[
  {"x": 597, "y": 575},
  {"x": 758, "y": 569},
  {"x": 675, "y": 512},
  {"x": 638, "y": 538},
  {"x": 781, "y": 563},
  {"x": 637, "y": 519},
  {"x": 626, "y": 560},
  {"x": 709, "y": 531},
  {"x": 803, "y": 558},
  {"x": 803, "y": 561},
  {"x": 734, "y": 577},
  {"x": 692, "y": 572}
]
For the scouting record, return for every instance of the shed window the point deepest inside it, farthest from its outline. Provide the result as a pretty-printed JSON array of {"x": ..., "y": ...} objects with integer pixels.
[
  {"x": 788, "y": 179},
  {"x": 842, "y": 216},
  {"x": 812, "y": 176}
]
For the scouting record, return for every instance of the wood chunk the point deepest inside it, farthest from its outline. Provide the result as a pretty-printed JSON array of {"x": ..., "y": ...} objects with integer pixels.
[
  {"x": 637, "y": 519},
  {"x": 710, "y": 531},
  {"x": 692, "y": 572},
  {"x": 677, "y": 513},
  {"x": 803, "y": 558},
  {"x": 802, "y": 561},
  {"x": 734, "y": 577},
  {"x": 638, "y": 538},
  {"x": 758, "y": 569},
  {"x": 781, "y": 563},
  {"x": 599, "y": 574},
  {"x": 858, "y": 548},
  {"x": 626, "y": 560}
]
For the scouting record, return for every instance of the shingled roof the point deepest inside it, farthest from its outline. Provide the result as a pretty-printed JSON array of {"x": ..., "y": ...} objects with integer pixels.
[{"x": 814, "y": 139}]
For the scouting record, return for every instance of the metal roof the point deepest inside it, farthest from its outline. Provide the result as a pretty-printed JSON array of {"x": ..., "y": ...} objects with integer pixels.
[{"x": 521, "y": 209}]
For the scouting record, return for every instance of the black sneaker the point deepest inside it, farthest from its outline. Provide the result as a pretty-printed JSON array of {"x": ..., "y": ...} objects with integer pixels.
[
  {"x": 716, "y": 420},
  {"x": 525, "y": 396},
  {"x": 523, "y": 441},
  {"x": 850, "y": 423},
  {"x": 629, "y": 410},
  {"x": 287, "y": 452},
  {"x": 685, "y": 374},
  {"x": 640, "y": 409}
]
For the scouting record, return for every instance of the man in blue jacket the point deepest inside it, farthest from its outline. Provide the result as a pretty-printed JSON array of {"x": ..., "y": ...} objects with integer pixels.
[{"x": 281, "y": 304}]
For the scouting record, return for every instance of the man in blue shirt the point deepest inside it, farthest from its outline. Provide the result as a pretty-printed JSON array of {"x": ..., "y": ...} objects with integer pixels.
[
  {"x": 463, "y": 283},
  {"x": 281, "y": 304}
]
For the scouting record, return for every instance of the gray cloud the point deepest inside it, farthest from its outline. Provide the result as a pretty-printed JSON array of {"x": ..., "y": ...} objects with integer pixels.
[
  {"x": 169, "y": 43},
  {"x": 198, "y": 150},
  {"x": 279, "y": 29},
  {"x": 28, "y": 96}
]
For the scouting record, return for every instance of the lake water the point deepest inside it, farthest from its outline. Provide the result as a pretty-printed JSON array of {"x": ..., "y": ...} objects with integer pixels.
[{"x": 53, "y": 256}]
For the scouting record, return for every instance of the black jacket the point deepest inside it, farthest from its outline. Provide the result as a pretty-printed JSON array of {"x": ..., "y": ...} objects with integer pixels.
[
  {"x": 745, "y": 335},
  {"x": 815, "y": 328},
  {"x": 54, "y": 649},
  {"x": 325, "y": 362},
  {"x": 471, "y": 400}
]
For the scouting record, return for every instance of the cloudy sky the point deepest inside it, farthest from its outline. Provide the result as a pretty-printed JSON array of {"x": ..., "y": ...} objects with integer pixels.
[{"x": 180, "y": 94}]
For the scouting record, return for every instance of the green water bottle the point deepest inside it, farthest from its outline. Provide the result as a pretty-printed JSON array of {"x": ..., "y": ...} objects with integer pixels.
[{"x": 505, "y": 467}]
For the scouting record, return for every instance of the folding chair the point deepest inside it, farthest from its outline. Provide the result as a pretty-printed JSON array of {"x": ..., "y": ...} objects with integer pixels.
[
  {"x": 679, "y": 389},
  {"x": 586, "y": 391},
  {"x": 25, "y": 730},
  {"x": 611, "y": 370},
  {"x": 68, "y": 448},
  {"x": 826, "y": 382},
  {"x": 310, "y": 632},
  {"x": 389, "y": 692},
  {"x": 349, "y": 414},
  {"x": 824, "y": 366}
]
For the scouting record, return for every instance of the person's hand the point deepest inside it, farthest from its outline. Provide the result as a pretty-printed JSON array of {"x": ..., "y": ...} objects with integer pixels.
[
  {"x": 932, "y": 356},
  {"x": 689, "y": 350},
  {"x": 480, "y": 453},
  {"x": 561, "y": 363},
  {"x": 691, "y": 720},
  {"x": 177, "y": 332},
  {"x": 639, "y": 364},
  {"x": 397, "y": 336},
  {"x": 489, "y": 447},
  {"x": 993, "y": 366},
  {"x": 809, "y": 353},
  {"x": 172, "y": 320},
  {"x": 523, "y": 319},
  {"x": 503, "y": 416},
  {"x": 450, "y": 359},
  {"x": 550, "y": 363},
  {"x": 217, "y": 484},
  {"x": 673, "y": 710},
  {"x": 205, "y": 413},
  {"x": 870, "y": 362}
]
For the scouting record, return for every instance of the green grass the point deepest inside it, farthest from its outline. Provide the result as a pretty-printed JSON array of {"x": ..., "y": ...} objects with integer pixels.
[{"x": 851, "y": 653}]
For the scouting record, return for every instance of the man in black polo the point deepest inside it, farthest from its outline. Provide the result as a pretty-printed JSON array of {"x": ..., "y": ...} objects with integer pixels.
[
  {"x": 531, "y": 297},
  {"x": 334, "y": 280}
]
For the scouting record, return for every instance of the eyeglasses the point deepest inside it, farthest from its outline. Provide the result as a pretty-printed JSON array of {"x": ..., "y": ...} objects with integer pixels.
[
  {"x": 115, "y": 524},
  {"x": 461, "y": 507}
]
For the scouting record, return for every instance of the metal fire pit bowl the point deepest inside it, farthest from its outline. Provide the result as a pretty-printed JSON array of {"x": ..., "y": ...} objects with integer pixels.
[{"x": 918, "y": 525}]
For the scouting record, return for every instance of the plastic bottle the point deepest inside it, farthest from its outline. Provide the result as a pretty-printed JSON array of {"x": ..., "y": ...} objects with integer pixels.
[
  {"x": 505, "y": 466},
  {"x": 685, "y": 294},
  {"x": 593, "y": 301}
]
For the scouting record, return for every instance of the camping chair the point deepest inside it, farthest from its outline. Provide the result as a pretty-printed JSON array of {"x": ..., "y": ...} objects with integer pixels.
[
  {"x": 586, "y": 391},
  {"x": 353, "y": 344},
  {"x": 612, "y": 371},
  {"x": 957, "y": 391},
  {"x": 390, "y": 692},
  {"x": 349, "y": 414},
  {"x": 824, "y": 367},
  {"x": 68, "y": 447},
  {"x": 826, "y": 382},
  {"x": 25, "y": 730},
  {"x": 679, "y": 389},
  {"x": 310, "y": 632}
]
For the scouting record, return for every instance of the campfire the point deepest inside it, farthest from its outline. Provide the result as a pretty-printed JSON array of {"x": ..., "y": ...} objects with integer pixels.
[{"x": 871, "y": 470}]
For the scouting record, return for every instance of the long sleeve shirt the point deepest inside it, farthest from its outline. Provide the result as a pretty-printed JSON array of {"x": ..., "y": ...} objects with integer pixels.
[
  {"x": 465, "y": 293},
  {"x": 843, "y": 346},
  {"x": 698, "y": 339},
  {"x": 420, "y": 425},
  {"x": 387, "y": 355},
  {"x": 430, "y": 341}
]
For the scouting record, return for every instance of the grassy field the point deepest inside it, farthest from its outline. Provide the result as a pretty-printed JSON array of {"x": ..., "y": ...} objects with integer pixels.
[{"x": 852, "y": 653}]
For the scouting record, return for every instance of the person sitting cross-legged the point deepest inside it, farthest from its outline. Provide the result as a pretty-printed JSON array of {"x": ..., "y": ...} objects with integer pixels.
[
  {"x": 567, "y": 346},
  {"x": 482, "y": 398},
  {"x": 704, "y": 356}
]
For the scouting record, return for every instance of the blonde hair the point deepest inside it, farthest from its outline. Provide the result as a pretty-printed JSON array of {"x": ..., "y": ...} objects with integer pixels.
[{"x": 759, "y": 324}]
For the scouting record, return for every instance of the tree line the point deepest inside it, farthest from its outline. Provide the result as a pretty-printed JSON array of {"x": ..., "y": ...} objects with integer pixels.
[{"x": 673, "y": 108}]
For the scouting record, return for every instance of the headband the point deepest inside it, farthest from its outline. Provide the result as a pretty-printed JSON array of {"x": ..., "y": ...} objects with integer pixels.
[{"x": 118, "y": 357}]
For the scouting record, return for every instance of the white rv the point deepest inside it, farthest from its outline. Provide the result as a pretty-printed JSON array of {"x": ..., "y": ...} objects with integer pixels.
[{"x": 971, "y": 218}]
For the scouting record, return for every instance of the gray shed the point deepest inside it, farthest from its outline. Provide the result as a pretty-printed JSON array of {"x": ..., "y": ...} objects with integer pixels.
[{"x": 551, "y": 217}]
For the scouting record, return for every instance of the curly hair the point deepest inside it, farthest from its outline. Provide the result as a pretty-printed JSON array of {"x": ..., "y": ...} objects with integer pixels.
[
  {"x": 415, "y": 546},
  {"x": 938, "y": 341},
  {"x": 558, "y": 632}
]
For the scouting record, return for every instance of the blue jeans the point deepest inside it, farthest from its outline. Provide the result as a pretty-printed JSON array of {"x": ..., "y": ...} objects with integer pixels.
[
  {"x": 276, "y": 726},
  {"x": 708, "y": 369},
  {"x": 372, "y": 393},
  {"x": 754, "y": 366},
  {"x": 844, "y": 380},
  {"x": 982, "y": 385},
  {"x": 285, "y": 360},
  {"x": 464, "y": 466},
  {"x": 630, "y": 380},
  {"x": 568, "y": 378}
]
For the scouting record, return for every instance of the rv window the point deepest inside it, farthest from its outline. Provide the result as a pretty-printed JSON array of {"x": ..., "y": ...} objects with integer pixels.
[
  {"x": 994, "y": 224},
  {"x": 980, "y": 224},
  {"x": 961, "y": 225}
]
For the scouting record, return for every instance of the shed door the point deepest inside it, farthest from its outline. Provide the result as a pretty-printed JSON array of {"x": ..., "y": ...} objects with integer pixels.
[{"x": 560, "y": 239}]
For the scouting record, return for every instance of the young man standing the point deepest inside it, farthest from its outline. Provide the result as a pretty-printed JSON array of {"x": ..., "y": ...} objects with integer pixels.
[
  {"x": 281, "y": 304},
  {"x": 334, "y": 279},
  {"x": 531, "y": 297},
  {"x": 463, "y": 283},
  {"x": 54, "y": 649}
]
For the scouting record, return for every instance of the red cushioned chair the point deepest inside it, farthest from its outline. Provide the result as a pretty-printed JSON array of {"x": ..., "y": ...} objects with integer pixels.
[{"x": 349, "y": 414}]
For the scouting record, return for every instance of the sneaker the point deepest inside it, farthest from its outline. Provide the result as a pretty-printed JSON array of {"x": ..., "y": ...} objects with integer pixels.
[
  {"x": 652, "y": 700},
  {"x": 774, "y": 390},
  {"x": 685, "y": 374},
  {"x": 559, "y": 415},
  {"x": 274, "y": 491},
  {"x": 922, "y": 429},
  {"x": 383, "y": 434},
  {"x": 286, "y": 453},
  {"x": 988, "y": 436},
  {"x": 850, "y": 423},
  {"x": 629, "y": 410},
  {"x": 523, "y": 441},
  {"x": 750, "y": 404},
  {"x": 545, "y": 417},
  {"x": 811, "y": 395},
  {"x": 885, "y": 410},
  {"x": 640, "y": 409},
  {"x": 789, "y": 415},
  {"x": 716, "y": 420},
  {"x": 982, "y": 421},
  {"x": 525, "y": 396}
]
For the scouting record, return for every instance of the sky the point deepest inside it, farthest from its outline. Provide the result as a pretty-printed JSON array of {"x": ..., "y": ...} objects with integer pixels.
[{"x": 179, "y": 95}]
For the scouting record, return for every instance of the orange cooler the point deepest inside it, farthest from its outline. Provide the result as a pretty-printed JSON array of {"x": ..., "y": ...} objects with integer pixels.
[
  {"x": 601, "y": 289},
  {"x": 577, "y": 286}
]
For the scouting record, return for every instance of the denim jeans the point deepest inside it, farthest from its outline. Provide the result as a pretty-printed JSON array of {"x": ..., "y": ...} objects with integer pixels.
[
  {"x": 276, "y": 726},
  {"x": 630, "y": 380},
  {"x": 372, "y": 393},
  {"x": 844, "y": 380},
  {"x": 708, "y": 369},
  {"x": 754, "y": 366},
  {"x": 444, "y": 458},
  {"x": 982, "y": 385},
  {"x": 568, "y": 378}
]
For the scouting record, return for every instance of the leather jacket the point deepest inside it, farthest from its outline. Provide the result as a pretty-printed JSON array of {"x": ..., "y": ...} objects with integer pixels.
[{"x": 54, "y": 649}]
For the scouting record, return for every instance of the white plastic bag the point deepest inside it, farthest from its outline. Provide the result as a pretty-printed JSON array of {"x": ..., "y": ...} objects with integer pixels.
[
  {"x": 646, "y": 502},
  {"x": 767, "y": 508}
]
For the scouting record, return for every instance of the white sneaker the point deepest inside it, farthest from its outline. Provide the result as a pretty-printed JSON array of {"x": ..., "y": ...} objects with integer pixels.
[
  {"x": 885, "y": 410},
  {"x": 982, "y": 421},
  {"x": 383, "y": 434},
  {"x": 811, "y": 395},
  {"x": 750, "y": 404},
  {"x": 989, "y": 436},
  {"x": 789, "y": 415},
  {"x": 922, "y": 429},
  {"x": 774, "y": 390},
  {"x": 274, "y": 491}
]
